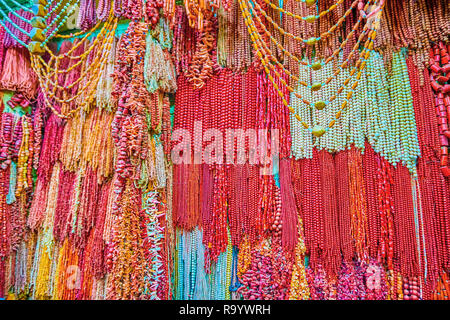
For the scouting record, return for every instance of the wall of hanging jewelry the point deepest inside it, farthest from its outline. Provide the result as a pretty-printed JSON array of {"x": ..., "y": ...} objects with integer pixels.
[{"x": 98, "y": 98}]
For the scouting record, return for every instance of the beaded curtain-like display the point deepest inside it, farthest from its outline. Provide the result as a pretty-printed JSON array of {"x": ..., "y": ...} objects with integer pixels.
[{"x": 228, "y": 149}]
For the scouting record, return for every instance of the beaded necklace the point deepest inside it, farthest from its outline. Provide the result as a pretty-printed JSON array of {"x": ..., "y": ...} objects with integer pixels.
[
  {"x": 316, "y": 65},
  {"x": 403, "y": 123},
  {"x": 331, "y": 254},
  {"x": 427, "y": 175},
  {"x": 311, "y": 18},
  {"x": 47, "y": 72},
  {"x": 202, "y": 64},
  {"x": 197, "y": 11},
  {"x": 358, "y": 205},
  {"x": 405, "y": 249},
  {"x": 17, "y": 26},
  {"x": 44, "y": 264},
  {"x": 256, "y": 280},
  {"x": 299, "y": 289},
  {"x": 373, "y": 120},
  {"x": 153, "y": 238},
  {"x": 415, "y": 23},
  {"x": 350, "y": 284},
  {"x": 128, "y": 127},
  {"x": 316, "y": 130},
  {"x": 4, "y": 214},
  {"x": 439, "y": 85},
  {"x": 215, "y": 238},
  {"x": 370, "y": 186},
  {"x": 169, "y": 10},
  {"x": 158, "y": 70},
  {"x": 103, "y": 9},
  {"x": 288, "y": 217},
  {"x": 40, "y": 23},
  {"x": 128, "y": 263},
  {"x": 105, "y": 83},
  {"x": 86, "y": 16},
  {"x": 25, "y": 154}
]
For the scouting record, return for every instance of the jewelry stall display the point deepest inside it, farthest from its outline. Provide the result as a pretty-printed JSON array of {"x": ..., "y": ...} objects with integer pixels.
[{"x": 224, "y": 149}]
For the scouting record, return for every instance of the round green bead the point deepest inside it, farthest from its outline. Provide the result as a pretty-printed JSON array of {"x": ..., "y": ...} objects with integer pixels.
[
  {"x": 311, "y": 41},
  {"x": 310, "y": 19},
  {"x": 316, "y": 86},
  {"x": 319, "y": 105},
  {"x": 316, "y": 66},
  {"x": 318, "y": 131}
]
